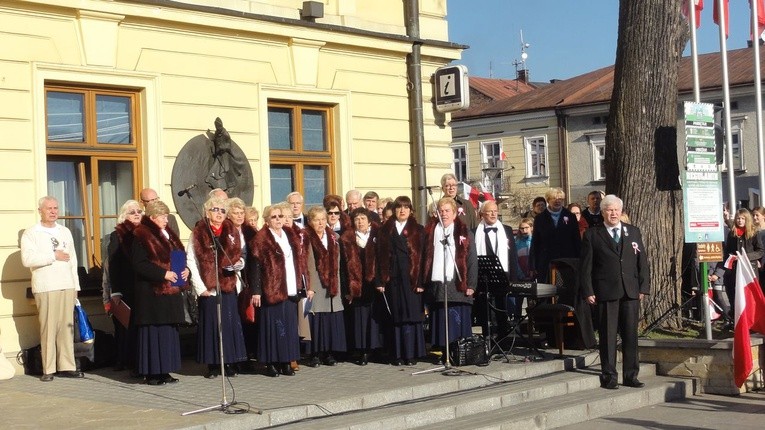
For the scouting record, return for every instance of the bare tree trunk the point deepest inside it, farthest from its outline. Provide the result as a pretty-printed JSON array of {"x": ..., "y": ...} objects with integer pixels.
[{"x": 641, "y": 150}]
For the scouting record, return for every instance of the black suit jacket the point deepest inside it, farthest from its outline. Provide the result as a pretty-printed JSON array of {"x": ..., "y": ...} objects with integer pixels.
[
  {"x": 609, "y": 271},
  {"x": 550, "y": 241}
]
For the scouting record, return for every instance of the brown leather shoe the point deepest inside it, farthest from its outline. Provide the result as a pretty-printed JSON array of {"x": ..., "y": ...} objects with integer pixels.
[
  {"x": 294, "y": 365},
  {"x": 47, "y": 377}
]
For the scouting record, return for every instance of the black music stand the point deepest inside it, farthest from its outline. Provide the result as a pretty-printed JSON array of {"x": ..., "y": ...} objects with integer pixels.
[
  {"x": 516, "y": 324},
  {"x": 492, "y": 277}
]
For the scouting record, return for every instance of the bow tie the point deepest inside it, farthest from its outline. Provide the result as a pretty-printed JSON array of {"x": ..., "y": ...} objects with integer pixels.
[{"x": 488, "y": 229}]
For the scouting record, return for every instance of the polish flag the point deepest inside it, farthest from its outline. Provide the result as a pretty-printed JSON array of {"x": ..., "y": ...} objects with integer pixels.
[
  {"x": 716, "y": 15},
  {"x": 712, "y": 306},
  {"x": 749, "y": 315},
  {"x": 760, "y": 19},
  {"x": 503, "y": 156},
  {"x": 699, "y": 5},
  {"x": 476, "y": 196}
]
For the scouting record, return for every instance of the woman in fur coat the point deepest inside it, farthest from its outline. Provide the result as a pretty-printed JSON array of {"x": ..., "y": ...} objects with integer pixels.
[
  {"x": 398, "y": 260},
  {"x": 158, "y": 304},
  {"x": 365, "y": 303},
  {"x": 450, "y": 272},
  {"x": 326, "y": 313},
  {"x": 277, "y": 275},
  {"x": 206, "y": 275}
]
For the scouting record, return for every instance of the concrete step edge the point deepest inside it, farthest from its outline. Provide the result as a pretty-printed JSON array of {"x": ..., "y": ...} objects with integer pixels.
[{"x": 575, "y": 408}]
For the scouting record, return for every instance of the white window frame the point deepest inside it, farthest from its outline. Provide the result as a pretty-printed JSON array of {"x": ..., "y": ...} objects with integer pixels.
[
  {"x": 529, "y": 144},
  {"x": 736, "y": 138},
  {"x": 598, "y": 143},
  {"x": 492, "y": 161},
  {"x": 463, "y": 161}
]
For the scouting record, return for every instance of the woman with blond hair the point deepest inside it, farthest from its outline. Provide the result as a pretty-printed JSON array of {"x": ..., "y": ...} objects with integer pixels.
[{"x": 743, "y": 236}]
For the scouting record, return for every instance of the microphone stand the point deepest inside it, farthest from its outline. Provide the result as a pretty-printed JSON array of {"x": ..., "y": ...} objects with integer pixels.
[
  {"x": 446, "y": 368},
  {"x": 216, "y": 246}
]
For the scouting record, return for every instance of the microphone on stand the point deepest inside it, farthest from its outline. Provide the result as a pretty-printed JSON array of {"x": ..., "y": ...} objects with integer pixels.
[
  {"x": 186, "y": 190},
  {"x": 428, "y": 187}
]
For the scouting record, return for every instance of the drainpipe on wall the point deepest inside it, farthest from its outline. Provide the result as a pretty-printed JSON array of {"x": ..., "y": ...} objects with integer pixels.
[
  {"x": 563, "y": 151},
  {"x": 416, "y": 127}
]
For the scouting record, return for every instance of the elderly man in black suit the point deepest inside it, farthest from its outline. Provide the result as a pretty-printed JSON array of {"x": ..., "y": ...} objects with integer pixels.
[{"x": 614, "y": 274}]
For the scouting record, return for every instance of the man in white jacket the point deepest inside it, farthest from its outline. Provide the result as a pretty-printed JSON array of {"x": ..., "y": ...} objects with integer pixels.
[{"x": 47, "y": 249}]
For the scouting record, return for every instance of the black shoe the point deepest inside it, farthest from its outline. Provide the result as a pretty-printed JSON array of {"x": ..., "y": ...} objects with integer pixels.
[
  {"x": 330, "y": 360},
  {"x": 397, "y": 362},
  {"x": 119, "y": 367},
  {"x": 154, "y": 380},
  {"x": 610, "y": 384},
  {"x": 213, "y": 371},
  {"x": 71, "y": 374},
  {"x": 47, "y": 377},
  {"x": 271, "y": 371},
  {"x": 634, "y": 383},
  {"x": 363, "y": 360},
  {"x": 167, "y": 379},
  {"x": 410, "y": 362},
  {"x": 314, "y": 362},
  {"x": 231, "y": 370},
  {"x": 287, "y": 370}
]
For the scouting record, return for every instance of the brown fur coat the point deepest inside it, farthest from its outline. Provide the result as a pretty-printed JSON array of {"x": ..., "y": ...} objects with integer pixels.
[
  {"x": 327, "y": 260},
  {"x": 462, "y": 243},
  {"x": 413, "y": 233},
  {"x": 158, "y": 250},
  {"x": 271, "y": 281},
  {"x": 230, "y": 241},
  {"x": 355, "y": 267}
]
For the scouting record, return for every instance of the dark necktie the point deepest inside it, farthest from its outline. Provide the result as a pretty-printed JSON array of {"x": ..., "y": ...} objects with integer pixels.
[
  {"x": 615, "y": 234},
  {"x": 489, "y": 247}
]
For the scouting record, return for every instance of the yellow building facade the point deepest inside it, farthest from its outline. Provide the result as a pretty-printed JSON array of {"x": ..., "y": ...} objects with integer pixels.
[{"x": 100, "y": 96}]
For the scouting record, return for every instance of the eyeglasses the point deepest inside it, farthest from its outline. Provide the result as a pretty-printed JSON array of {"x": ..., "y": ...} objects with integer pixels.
[
  {"x": 277, "y": 216},
  {"x": 333, "y": 212},
  {"x": 135, "y": 212},
  {"x": 221, "y": 210}
]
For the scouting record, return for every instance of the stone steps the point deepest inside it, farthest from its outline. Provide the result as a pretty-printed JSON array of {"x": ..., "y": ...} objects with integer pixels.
[{"x": 566, "y": 386}]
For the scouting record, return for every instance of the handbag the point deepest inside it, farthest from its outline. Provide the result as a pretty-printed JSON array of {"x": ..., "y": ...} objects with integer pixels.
[
  {"x": 84, "y": 329},
  {"x": 247, "y": 310},
  {"x": 473, "y": 350},
  {"x": 31, "y": 360}
]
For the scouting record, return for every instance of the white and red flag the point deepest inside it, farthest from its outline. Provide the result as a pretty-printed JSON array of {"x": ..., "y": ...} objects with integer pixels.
[
  {"x": 760, "y": 19},
  {"x": 698, "y": 6},
  {"x": 749, "y": 316},
  {"x": 716, "y": 15}
]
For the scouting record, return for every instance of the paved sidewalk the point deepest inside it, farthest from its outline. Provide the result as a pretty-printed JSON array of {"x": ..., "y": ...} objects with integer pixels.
[
  {"x": 707, "y": 411},
  {"x": 109, "y": 399}
]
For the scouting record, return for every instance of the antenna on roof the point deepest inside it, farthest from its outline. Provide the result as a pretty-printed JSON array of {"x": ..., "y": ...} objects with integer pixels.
[{"x": 522, "y": 73}]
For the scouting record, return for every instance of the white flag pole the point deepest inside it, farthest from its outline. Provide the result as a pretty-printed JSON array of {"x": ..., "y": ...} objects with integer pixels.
[
  {"x": 723, "y": 18},
  {"x": 694, "y": 50},
  {"x": 758, "y": 95}
]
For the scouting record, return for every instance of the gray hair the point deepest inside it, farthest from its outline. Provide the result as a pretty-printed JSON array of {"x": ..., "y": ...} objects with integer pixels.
[
  {"x": 446, "y": 177},
  {"x": 44, "y": 199},
  {"x": 353, "y": 193},
  {"x": 611, "y": 200},
  {"x": 125, "y": 208}
]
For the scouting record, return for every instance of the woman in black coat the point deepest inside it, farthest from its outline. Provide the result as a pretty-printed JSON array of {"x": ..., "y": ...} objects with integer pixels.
[
  {"x": 158, "y": 304},
  {"x": 119, "y": 279},
  {"x": 743, "y": 236},
  {"x": 364, "y": 305},
  {"x": 398, "y": 259}
]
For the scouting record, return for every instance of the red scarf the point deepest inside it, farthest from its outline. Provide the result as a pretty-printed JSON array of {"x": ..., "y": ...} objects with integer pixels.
[
  {"x": 740, "y": 231},
  {"x": 216, "y": 230}
]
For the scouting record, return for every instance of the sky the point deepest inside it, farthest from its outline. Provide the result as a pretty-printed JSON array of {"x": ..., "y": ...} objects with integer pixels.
[{"x": 566, "y": 38}]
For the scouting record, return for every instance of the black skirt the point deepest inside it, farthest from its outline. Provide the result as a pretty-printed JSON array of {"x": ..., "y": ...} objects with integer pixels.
[
  {"x": 364, "y": 324},
  {"x": 159, "y": 349},
  {"x": 460, "y": 322},
  {"x": 408, "y": 341},
  {"x": 234, "y": 349},
  {"x": 277, "y": 333},
  {"x": 327, "y": 332}
]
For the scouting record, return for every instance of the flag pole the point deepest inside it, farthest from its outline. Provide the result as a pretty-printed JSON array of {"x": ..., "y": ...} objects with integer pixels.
[
  {"x": 723, "y": 26},
  {"x": 758, "y": 94},
  {"x": 697, "y": 99},
  {"x": 694, "y": 50}
]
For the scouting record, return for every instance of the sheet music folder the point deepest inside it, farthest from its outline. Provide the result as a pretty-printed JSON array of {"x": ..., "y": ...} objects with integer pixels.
[{"x": 491, "y": 276}]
